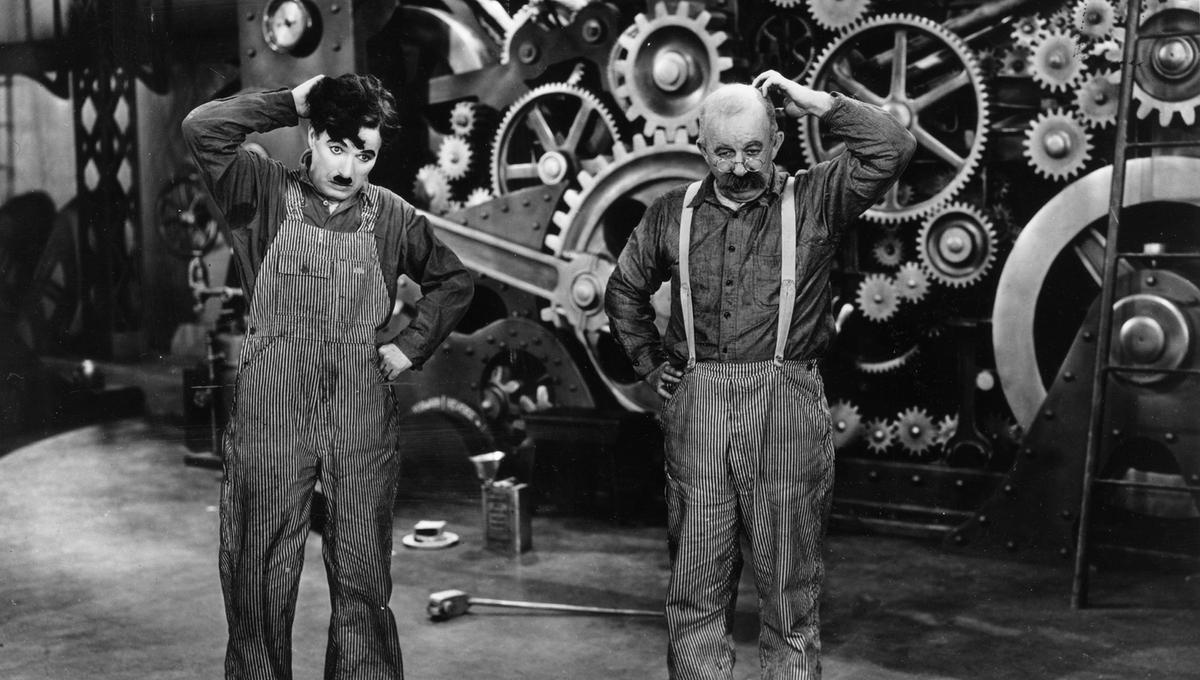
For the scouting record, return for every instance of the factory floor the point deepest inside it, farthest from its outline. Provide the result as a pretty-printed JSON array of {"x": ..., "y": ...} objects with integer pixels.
[{"x": 108, "y": 570}]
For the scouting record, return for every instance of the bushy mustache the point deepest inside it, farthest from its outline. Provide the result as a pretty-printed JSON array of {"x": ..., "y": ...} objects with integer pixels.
[{"x": 745, "y": 182}]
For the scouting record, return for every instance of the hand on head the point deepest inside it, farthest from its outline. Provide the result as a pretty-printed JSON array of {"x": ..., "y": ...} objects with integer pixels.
[{"x": 801, "y": 100}]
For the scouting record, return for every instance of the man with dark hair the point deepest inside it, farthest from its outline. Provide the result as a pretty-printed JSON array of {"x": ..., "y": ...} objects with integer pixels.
[
  {"x": 319, "y": 250},
  {"x": 748, "y": 252}
]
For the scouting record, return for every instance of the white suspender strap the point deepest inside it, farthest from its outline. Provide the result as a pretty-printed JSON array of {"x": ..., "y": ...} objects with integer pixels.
[
  {"x": 685, "y": 283},
  {"x": 787, "y": 268}
]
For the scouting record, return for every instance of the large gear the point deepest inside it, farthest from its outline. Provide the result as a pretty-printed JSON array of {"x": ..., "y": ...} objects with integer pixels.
[
  {"x": 1094, "y": 19},
  {"x": 835, "y": 15},
  {"x": 1057, "y": 145},
  {"x": 912, "y": 283},
  {"x": 915, "y": 430},
  {"x": 1053, "y": 232},
  {"x": 881, "y": 366},
  {"x": 880, "y": 434},
  {"x": 847, "y": 423},
  {"x": 888, "y": 251},
  {"x": 662, "y": 67},
  {"x": 1166, "y": 77},
  {"x": 785, "y": 42},
  {"x": 550, "y": 134},
  {"x": 943, "y": 103},
  {"x": 454, "y": 157},
  {"x": 1057, "y": 65},
  {"x": 1097, "y": 99},
  {"x": 878, "y": 299},
  {"x": 957, "y": 245},
  {"x": 600, "y": 216}
]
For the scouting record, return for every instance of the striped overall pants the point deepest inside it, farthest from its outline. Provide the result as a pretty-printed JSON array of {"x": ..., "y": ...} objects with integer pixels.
[
  {"x": 749, "y": 451},
  {"x": 311, "y": 403}
]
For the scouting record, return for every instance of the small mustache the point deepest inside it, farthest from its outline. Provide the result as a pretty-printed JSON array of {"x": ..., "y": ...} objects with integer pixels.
[{"x": 342, "y": 181}]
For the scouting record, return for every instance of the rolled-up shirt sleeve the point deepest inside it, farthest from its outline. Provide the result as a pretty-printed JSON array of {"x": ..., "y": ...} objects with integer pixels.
[{"x": 640, "y": 272}]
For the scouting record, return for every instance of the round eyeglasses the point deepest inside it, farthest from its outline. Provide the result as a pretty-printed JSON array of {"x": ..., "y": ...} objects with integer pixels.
[{"x": 751, "y": 162}]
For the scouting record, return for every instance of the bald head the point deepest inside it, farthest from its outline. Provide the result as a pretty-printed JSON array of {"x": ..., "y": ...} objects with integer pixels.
[{"x": 735, "y": 100}]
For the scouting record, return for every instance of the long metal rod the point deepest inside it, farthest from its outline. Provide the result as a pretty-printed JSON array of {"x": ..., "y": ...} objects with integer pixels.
[
  {"x": 1116, "y": 201},
  {"x": 548, "y": 606}
]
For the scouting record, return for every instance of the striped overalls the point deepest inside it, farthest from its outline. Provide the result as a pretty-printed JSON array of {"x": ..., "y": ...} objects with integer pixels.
[
  {"x": 311, "y": 403},
  {"x": 749, "y": 448}
]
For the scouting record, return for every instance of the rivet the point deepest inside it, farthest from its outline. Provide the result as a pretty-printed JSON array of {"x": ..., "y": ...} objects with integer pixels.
[
  {"x": 1008, "y": 489},
  {"x": 470, "y": 351},
  {"x": 504, "y": 207},
  {"x": 1048, "y": 415},
  {"x": 1068, "y": 376},
  {"x": 535, "y": 226},
  {"x": 1170, "y": 437},
  {"x": 1195, "y": 479},
  {"x": 474, "y": 385},
  {"x": 1087, "y": 335},
  {"x": 1029, "y": 452},
  {"x": 916, "y": 479},
  {"x": 1066, "y": 514},
  {"x": 1064, "y": 553},
  {"x": 524, "y": 202},
  {"x": 446, "y": 349},
  {"x": 873, "y": 475},
  {"x": 1116, "y": 432},
  {"x": 484, "y": 215},
  {"x": 1151, "y": 280},
  {"x": 546, "y": 198},
  {"x": 249, "y": 16},
  {"x": 250, "y": 52},
  {"x": 983, "y": 519},
  {"x": 959, "y": 483},
  {"x": 958, "y": 538},
  {"x": 335, "y": 8},
  {"x": 491, "y": 339},
  {"x": 1010, "y": 545},
  {"x": 503, "y": 345},
  {"x": 573, "y": 388},
  {"x": 337, "y": 47}
]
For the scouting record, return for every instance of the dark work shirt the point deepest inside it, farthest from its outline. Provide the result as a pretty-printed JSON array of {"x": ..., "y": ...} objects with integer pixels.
[
  {"x": 734, "y": 254},
  {"x": 250, "y": 191}
]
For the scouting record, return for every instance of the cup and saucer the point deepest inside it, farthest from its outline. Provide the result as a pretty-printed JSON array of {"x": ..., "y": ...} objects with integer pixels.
[{"x": 429, "y": 534}]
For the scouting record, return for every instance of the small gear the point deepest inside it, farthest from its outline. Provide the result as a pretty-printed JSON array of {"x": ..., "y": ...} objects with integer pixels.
[
  {"x": 1028, "y": 30},
  {"x": 847, "y": 423},
  {"x": 478, "y": 196},
  {"x": 880, "y": 434},
  {"x": 663, "y": 66},
  {"x": 999, "y": 427},
  {"x": 454, "y": 157},
  {"x": 527, "y": 13},
  {"x": 432, "y": 188},
  {"x": 947, "y": 427},
  {"x": 911, "y": 282},
  {"x": 1057, "y": 145},
  {"x": 785, "y": 3},
  {"x": 888, "y": 251},
  {"x": 1094, "y": 19},
  {"x": 1166, "y": 76},
  {"x": 1108, "y": 50},
  {"x": 1097, "y": 99},
  {"x": 462, "y": 119},
  {"x": 1059, "y": 19},
  {"x": 957, "y": 245},
  {"x": 1056, "y": 63},
  {"x": 877, "y": 297},
  {"x": 834, "y": 15},
  {"x": 1017, "y": 61},
  {"x": 915, "y": 430}
]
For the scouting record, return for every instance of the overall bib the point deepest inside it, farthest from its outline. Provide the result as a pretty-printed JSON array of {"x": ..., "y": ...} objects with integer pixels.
[
  {"x": 748, "y": 448},
  {"x": 311, "y": 403}
]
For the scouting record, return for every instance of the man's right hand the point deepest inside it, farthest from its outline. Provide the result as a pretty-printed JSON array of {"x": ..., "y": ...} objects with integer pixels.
[
  {"x": 300, "y": 95},
  {"x": 664, "y": 379}
]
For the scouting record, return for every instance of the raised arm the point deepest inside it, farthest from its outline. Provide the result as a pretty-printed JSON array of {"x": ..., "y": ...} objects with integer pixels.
[{"x": 878, "y": 149}]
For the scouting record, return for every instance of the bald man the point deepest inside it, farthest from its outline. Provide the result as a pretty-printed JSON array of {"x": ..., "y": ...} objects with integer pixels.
[{"x": 748, "y": 251}]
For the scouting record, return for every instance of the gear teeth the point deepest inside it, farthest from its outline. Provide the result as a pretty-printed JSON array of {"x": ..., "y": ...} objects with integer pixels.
[
  {"x": 878, "y": 299},
  {"x": 432, "y": 187},
  {"x": 911, "y": 282},
  {"x": 947, "y": 427},
  {"x": 1094, "y": 19},
  {"x": 835, "y": 15},
  {"x": 478, "y": 196},
  {"x": 880, "y": 434},
  {"x": 810, "y": 134},
  {"x": 846, "y": 421},
  {"x": 1096, "y": 100},
  {"x": 1057, "y": 145},
  {"x": 888, "y": 251},
  {"x": 454, "y": 157},
  {"x": 1056, "y": 65},
  {"x": 915, "y": 430},
  {"x": 1028, "y": 30},
  {"x": 959, "y": 263},
  {"x": 888, "y": 365}
]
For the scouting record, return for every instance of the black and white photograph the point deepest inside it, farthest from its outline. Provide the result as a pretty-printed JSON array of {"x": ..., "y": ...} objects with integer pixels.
[{"x": 599, "y": 339}]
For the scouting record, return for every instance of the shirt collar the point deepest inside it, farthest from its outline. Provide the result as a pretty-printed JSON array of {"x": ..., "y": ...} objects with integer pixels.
[
  {"x": 302, "y": 175},
  {"x": 708, "y": 193}
]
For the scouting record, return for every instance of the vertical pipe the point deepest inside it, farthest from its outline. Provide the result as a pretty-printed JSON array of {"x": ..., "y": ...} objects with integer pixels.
[{"x": 1116, "y": 200}]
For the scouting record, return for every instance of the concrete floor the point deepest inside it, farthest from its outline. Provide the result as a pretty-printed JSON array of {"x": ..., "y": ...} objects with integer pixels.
[{"x": 108, "y": 570}]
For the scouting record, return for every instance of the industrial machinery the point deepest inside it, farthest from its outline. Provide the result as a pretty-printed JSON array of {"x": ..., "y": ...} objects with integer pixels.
[{"x": 536, "y": 135}]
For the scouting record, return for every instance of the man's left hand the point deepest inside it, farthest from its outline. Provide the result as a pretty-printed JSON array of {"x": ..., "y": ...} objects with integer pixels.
[
  {"x": 393, "y": 361},
  {"x": 801, "y": 100}
]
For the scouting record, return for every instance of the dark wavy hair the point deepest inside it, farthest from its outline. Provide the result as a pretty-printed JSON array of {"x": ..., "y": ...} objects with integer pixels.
[{"x": 344, "y": 104}]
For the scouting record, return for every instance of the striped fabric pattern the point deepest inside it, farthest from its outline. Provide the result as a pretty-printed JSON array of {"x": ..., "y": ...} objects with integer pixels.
[
  {"x": 311, "y": 403},
  {"x": 748, "y": 449}
]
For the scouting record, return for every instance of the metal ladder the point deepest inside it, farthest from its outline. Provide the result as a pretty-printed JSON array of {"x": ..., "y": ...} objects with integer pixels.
[{"x": 1112, "y": 255}]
